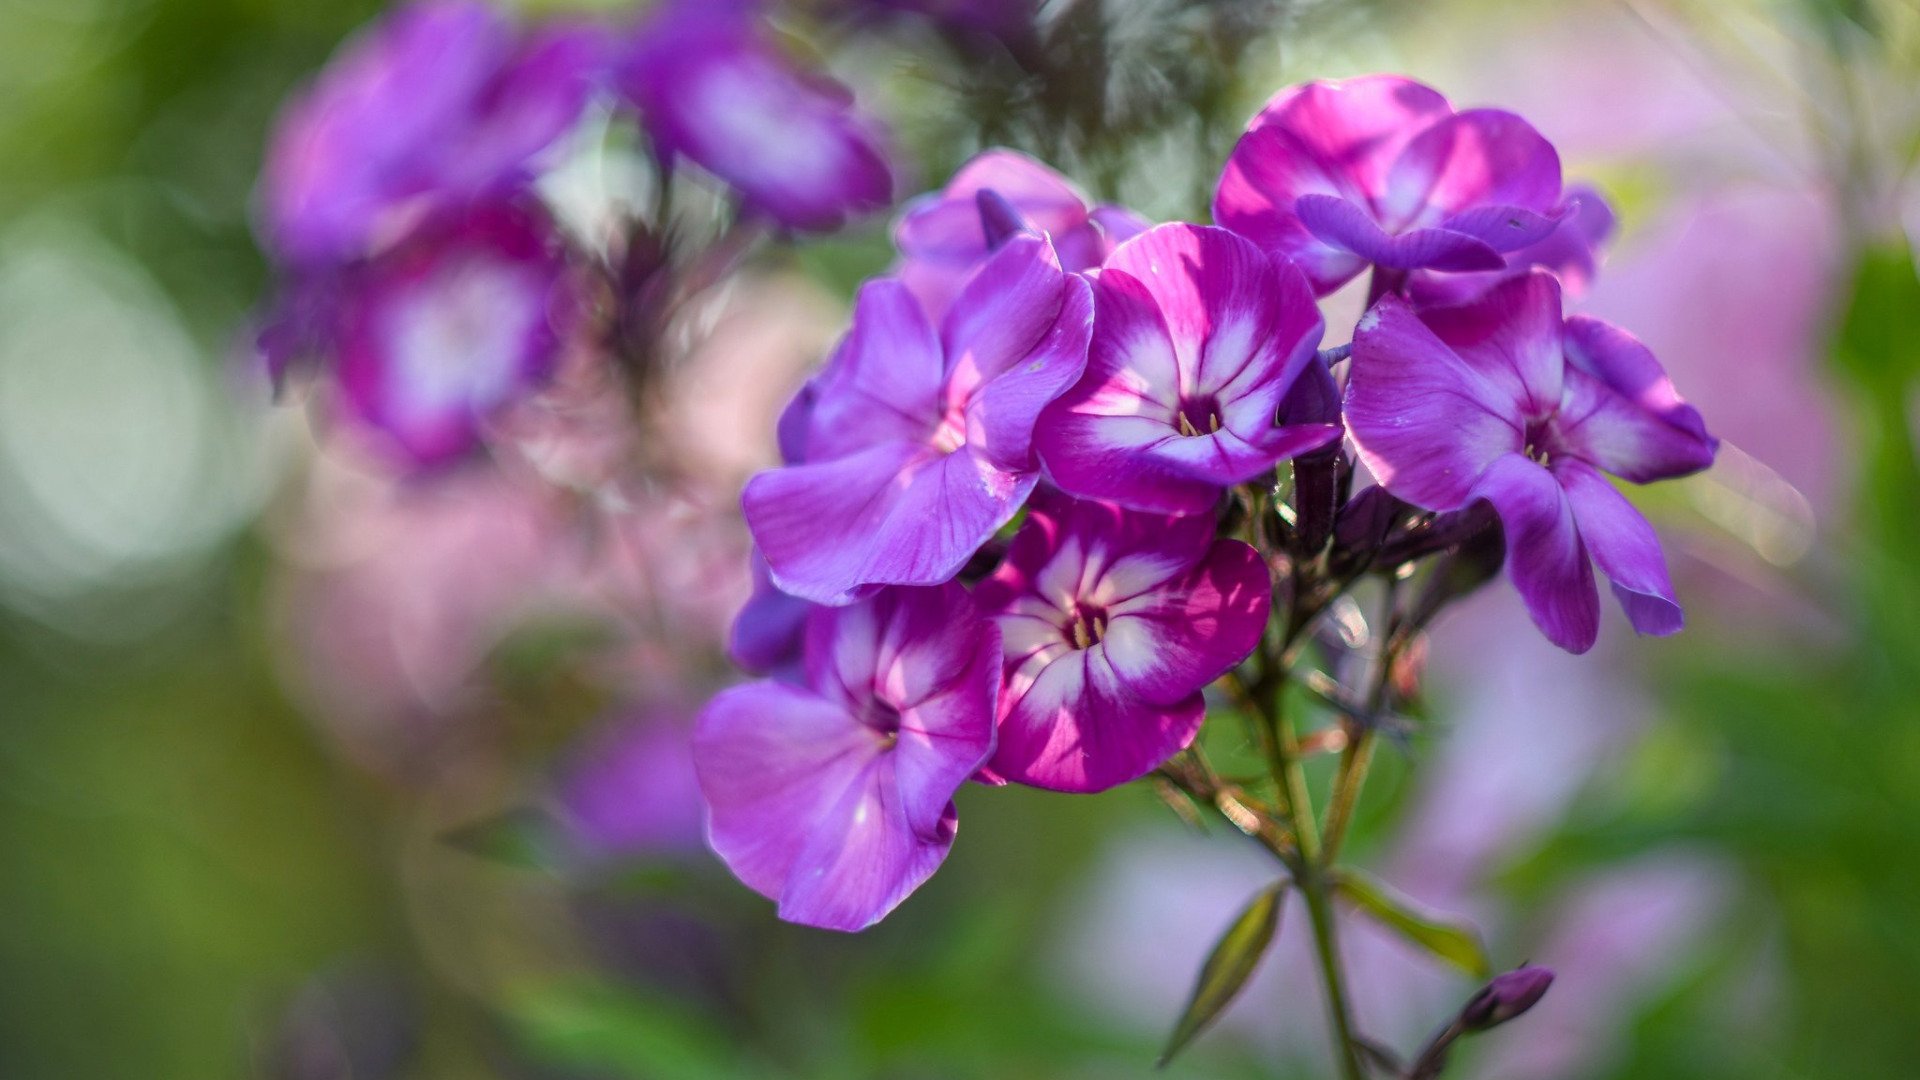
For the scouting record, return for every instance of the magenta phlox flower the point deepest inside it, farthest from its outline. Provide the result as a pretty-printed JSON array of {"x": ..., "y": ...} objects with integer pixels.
[
  {"x": 917, "y": 444},
  {"x": 437, "y": 335},
  {"x": 441, "y": 102},
  {"x": 1381, "y": 170},
  {"x": 1571, "y": 252},
  {"x": 943, "y": 238},
  {"x": 835, "y": 797},
  {"x": 712, "y": 89},
  {"x": 1504, "y": 401},
  {"x": 1198, "y": 339},
  {"x": 1112, "y": 622}
]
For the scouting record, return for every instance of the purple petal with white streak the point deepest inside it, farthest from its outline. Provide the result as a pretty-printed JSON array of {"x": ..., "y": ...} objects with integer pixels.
[
  {"x": 1512, "y": 337},
  {"x": 1165, "y": 644},
  {"x": 1074, "y": 727}
]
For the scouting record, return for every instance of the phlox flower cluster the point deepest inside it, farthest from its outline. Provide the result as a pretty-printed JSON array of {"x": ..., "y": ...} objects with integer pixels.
[
  {"x": 421, "y": 274},
  {"x": 1067, "y": 469}
]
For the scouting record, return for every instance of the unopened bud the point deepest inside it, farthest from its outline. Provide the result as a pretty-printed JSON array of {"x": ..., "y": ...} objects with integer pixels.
[
  {"x": 1361, "y": 527},
  {"x": 1506, "y": 997},
  {"x": 1314, "y": 398}
]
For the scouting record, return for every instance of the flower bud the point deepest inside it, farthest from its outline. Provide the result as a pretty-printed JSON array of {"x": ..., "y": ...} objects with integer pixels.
[
  {"x": 1506, "y": 997},
  {"x": 1361, "y": 527}
]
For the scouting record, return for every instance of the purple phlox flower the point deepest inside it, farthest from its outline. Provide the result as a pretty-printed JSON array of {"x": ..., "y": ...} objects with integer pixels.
[
  {"x": 918, "y": 446},
  {"x": 1111, "y": 623},
  {"x": 466, "y": 317},
  {"x": 1571, "y": 252},
  {"x": 440, "y": 102},
  {"x": 1381, "y": 170},
  {"x": 768, "y": 632},
  {"x": 630, "y": 789},
  {"x": 943, "y": 238},
  {"x": 1505, "y": 401},
  {"x": 713, "y": 90},
  {"x": 836, "y": 797},
  {"x": 1198, "y": 339}
]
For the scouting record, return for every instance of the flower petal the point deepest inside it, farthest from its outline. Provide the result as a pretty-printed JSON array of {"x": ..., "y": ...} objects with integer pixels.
[
  {"x": 884, "y": 382},
  {"x": 898, "y": 513},
  {"x": 1168, "y": 643},
  {"x": 1216, "y": 295},
  {"x": 1597, "y": 425},
  {"x": 1511, "y": 336},
  {"x": 948, "y": 223},
  {"x": 712, "y": 90},
  {"x": 861, "y": 859},
  {"x": 1012, "y": 301},
  {"x": 1072, "y": 726},
  {"x": 1475, "y": 158},
  {"x": 1264, "y": 178},
  {"x": 1625, "y": 546},
  {"x": 773, "y": 761},
  {"x": 1118, "y": 225},
  {"x": 1504, "y": 228},
  {"x": 1545, "y": 555},
  {"x": 767, "y": 633},
  {"x": 1424, "y": 422},
  {"x": 1629, "y": 369},
  {"x": 1002, "y": 413},
  {"x": 1344, "y": 225},
  {"x": 464, "y": 318}
]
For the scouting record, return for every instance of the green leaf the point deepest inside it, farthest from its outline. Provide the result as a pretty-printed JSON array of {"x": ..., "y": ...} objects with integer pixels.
[
  {"x": 1228, "y": 968},
  {"x": 1458, "y": 943}
]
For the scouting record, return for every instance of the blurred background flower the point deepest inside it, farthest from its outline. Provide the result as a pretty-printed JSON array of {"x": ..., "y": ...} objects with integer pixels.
[{"x": 347, "y": 737}]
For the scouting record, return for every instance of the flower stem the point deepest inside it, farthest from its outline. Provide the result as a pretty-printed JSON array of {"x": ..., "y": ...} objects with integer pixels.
[
  {"x": 1311, "y": 877},
  {"x": 1346, "y": 792}
]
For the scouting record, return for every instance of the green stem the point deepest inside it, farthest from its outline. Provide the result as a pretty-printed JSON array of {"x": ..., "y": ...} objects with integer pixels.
[
  {"x": 1320, "y": 914},
  {"x": 1310, "y": 877},
  {"x": 1358, "y": 755},
  {"x": 1354, "y": 761}
]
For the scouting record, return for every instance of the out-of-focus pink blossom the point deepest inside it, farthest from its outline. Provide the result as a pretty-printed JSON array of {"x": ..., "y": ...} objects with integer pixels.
[
  {"x": 439, "y": 103},
  {"x": 713, "y": 90},
  {"x": 441, "y": 332}
]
